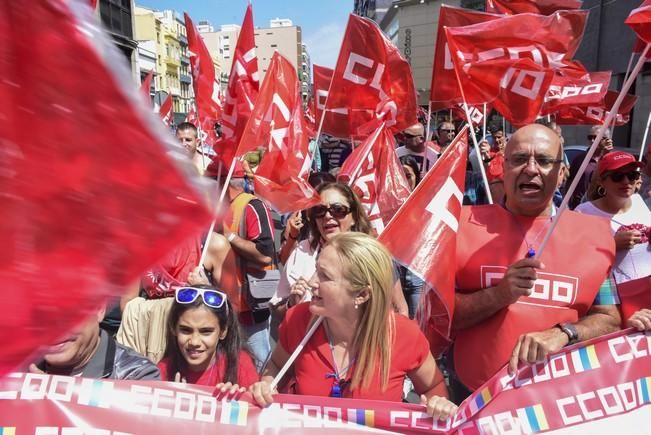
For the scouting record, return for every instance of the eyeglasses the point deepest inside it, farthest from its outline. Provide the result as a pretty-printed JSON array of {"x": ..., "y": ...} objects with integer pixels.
[
  {"x": 592, "y": 137},
  {"x": 617, "y": 177},
  {"x": 542, "y": 162},
  {"x": 337, "y": 211},
  {"x": 445, "y": 130},
  {"x": 210, "y": 297},
  {"x": 411, "y": 136}
]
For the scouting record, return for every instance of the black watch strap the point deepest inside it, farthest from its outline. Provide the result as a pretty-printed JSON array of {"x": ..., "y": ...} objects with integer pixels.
[{"x": 570, "y": 331}]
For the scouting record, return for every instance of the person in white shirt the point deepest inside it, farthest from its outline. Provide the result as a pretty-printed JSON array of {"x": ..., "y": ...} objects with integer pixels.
[{"x": 414, "y": 145}]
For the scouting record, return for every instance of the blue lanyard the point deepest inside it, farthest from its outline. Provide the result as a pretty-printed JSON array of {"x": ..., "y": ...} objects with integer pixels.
[{"x": 338, "y": 383}]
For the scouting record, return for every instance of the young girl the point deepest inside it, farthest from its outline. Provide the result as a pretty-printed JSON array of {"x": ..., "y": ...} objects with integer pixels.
[{"x": 204, "y": 343}]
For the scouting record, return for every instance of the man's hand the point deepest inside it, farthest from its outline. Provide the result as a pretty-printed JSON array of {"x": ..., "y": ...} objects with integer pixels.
[
  {"x": 520, "y": 278},
  {"x": 198, "y": 277},
  {"x": 484, "y": 149},
  {"x": 535, "y": 346},
  {"x": 641, "y": 320}
]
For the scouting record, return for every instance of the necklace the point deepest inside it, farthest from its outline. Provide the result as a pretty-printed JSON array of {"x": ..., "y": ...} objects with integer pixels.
[
  {"x": 531, "y": 251},
  {"x": 337, "y": 376}
]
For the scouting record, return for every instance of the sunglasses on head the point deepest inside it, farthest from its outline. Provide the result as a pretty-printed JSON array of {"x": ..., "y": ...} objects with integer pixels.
[
  {"x": 337, "y": 211},
  {"x": 632, "y": 176},
  {"x": 212, "y": 298}
]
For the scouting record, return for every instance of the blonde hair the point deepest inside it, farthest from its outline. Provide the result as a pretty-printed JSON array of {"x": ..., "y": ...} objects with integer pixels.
[{"x": 367, "y": 266}]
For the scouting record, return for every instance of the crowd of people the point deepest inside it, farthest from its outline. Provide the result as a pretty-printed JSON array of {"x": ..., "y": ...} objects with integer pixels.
[{"x": 201, "y": 324}]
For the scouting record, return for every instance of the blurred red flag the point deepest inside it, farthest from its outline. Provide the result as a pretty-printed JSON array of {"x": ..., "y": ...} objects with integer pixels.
[
  {"x": 596, "y": 114},
  {"x": 204, "y": 82},
  {"x": 242, "y": 90},
  {"x": 83, "y": 215},
  {"x": 375, "y": 174},
  {"x": 422, "y": 236},
  {"x": 191, "y": 116},
  {"x": 542, "y": 7},
  {"x": 372, "y": 80},
  {"x": 444, "y": 89},
  {"x": 640, "y": 21},
  {"x": 145, "y": 86},
  {"x": 510, "y": 61},
  {"x": 165, "y": 112},
  {"x": 336, "y": 122},
  {"x": 476, "y": 113},
  {"x": 277, "y": 125},
  {"x": 574, "y": 86}
]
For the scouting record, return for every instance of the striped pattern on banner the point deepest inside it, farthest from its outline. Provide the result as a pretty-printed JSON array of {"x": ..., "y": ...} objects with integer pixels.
[
  {"x": 480, "y": 400},
  {"x": 585, "y": 358},
  {"x": 535, "y": 416},
  {"x": 7, "y": 431},
  {"x": 644, "y": 389},
  {"x": 364, "y": 417},
  {"x": 94, "y": 392},
  {"x": 234, "y": 412}
]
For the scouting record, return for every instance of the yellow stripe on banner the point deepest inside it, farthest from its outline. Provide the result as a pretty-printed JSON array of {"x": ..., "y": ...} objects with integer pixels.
[
  {"x": 244, "y": 411},
  {"x": 8, "y": 430},
  {"x": 648, "y": 383},
  {"x": 486, "y": 395},
  {"x": 541, "y": 417},
  {"x": 592, "y": 356},
  {"x": 369, "y": 418}
]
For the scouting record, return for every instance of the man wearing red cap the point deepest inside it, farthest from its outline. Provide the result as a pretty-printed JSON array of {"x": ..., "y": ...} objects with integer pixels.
[
  {"x": 511, "y": 306},
  {"x": 246, "y": 243}
]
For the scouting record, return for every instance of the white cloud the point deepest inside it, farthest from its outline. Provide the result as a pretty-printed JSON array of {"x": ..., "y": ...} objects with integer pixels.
[{"x": 323, "y": 45}]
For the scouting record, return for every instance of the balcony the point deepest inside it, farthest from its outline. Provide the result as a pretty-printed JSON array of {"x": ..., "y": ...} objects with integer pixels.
[
  {"x": 185, "y": 59},
  {"x": 183, "y": 39},
  {"x": 185, "y": 78},
  {"x": 172, "y": 61}
]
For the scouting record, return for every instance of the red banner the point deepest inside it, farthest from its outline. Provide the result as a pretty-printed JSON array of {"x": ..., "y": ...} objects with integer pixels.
[
  {"x": 336, "y": 122},
  {"x": 592, "y": 387},
  {"x": 543, "y": 7},
  {"x": 596, "y": 114}
]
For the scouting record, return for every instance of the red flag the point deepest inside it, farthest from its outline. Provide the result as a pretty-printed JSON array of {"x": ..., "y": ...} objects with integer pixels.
[
  {"x": 574, "y": 86},
  {"x": 277, "y": 125},
  {"x": 166, "y": 113},
  {"x": 191, "y": 116},
  {"x": 336, "y": 122},
  {"x": 640, "y": 21},
  {"x": 431, "y": 217},
  {"x": 69, "y": 233},
  {"x": 372, "y": 80},
  {"x": 374, "y": 173},
  {"x": 597, "y": 114},
  {"x": 242, "y": 89},
  {"x": 145, "y": 86},
  {"x": 204, "y": 82},
  {"x": 511, "y": 61},
  {"x": 444, "y": 89},
  {"x": 542, "y": 7},
  {"x": 476, "y": 113}
]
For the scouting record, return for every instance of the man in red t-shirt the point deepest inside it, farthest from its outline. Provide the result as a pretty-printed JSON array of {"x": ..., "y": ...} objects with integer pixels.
[{"x": 512, "y": 309}]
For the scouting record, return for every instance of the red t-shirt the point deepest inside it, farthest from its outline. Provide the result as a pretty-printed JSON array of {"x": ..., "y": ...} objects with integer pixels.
[
  {"x": 495, "y": 168},
  {"x": 213, "y": 375},
  {"x": 577, "y": 260},
  {"x": 408, "y": 352}
]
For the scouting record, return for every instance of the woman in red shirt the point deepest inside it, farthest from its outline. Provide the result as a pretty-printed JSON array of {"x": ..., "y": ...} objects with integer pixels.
[
  {"x": 362, "y": 349},
  {"x": 204, "y": 343}
]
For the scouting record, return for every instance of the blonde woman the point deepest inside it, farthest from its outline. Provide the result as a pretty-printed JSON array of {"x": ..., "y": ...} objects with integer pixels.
[{"x": 362, "y": 349}]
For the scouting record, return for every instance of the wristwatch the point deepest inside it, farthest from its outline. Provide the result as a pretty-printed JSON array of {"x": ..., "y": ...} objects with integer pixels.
[
  {"x": 231, "y": 237},
  {"x": 570, "y": 331}
]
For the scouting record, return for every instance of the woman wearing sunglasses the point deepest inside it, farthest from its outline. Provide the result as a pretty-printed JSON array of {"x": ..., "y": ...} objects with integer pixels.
[
  {"x": 615, "y": 198},
  {"x": 362, "y": 349},
  {"x": 204, "y": 344},
  {"x": 340, "y": 211}
]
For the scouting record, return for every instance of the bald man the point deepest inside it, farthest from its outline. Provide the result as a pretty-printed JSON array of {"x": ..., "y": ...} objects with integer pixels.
[
  {"x": 511, "y": 308},
  {"x": 416, "y": 147}
]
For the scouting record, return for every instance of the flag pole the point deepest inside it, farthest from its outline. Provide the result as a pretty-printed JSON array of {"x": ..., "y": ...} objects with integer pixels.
[
  {"x": 586, "y": 160},
  {"x": 429, "y": 120},
  {"x": 204, "y": 252},
  {"x": 646, "y": 133},
  {"x": 294, "y": 355},
  {"x": 484, "y": 124}
]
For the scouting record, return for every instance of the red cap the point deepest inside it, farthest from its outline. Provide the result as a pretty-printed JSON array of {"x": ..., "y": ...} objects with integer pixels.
[{"x": 615, "y": 160}]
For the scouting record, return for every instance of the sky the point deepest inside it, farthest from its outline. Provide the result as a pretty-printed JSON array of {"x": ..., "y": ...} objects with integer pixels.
[{"x": 322, "y": 22}]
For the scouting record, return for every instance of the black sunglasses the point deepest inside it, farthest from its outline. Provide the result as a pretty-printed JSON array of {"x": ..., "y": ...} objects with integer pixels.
[
  {"x": 632, "y": 176},
  {"x": 337, "y": 211}
]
